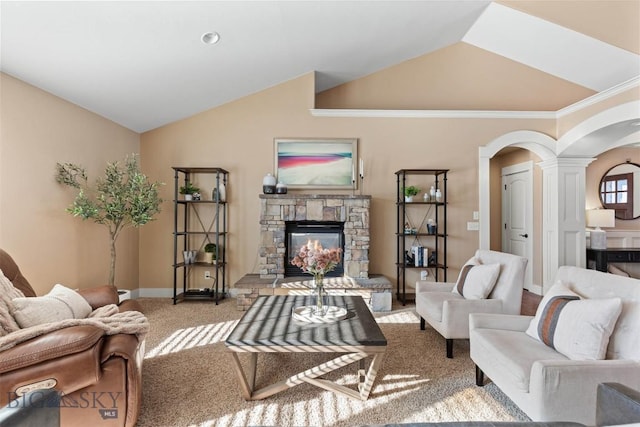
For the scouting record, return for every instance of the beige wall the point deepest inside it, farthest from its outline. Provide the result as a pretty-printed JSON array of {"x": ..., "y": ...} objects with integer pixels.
[
  {"x": 457, "y": 77},
  {"x": 50, "y": 245},
  {"x": 239, "y": 137},
  {"x": 612, "y": 21}
]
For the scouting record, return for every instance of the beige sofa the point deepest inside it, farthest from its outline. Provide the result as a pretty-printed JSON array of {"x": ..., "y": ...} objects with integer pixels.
[{"x": 544, "y": 383}]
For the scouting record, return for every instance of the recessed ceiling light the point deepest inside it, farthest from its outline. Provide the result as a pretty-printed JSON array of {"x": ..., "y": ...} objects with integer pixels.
[{"x": 210, "y": 38}]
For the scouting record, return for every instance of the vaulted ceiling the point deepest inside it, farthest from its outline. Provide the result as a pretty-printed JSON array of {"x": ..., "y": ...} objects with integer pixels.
[{"x": 143, "y": 64}]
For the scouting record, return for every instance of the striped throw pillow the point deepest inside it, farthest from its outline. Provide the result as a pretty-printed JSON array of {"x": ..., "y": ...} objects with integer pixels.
[{"x": 575, "y": 327}]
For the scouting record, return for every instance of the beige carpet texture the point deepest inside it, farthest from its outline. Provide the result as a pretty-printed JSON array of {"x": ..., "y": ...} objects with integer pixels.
[{"x": 189, "y": 380}]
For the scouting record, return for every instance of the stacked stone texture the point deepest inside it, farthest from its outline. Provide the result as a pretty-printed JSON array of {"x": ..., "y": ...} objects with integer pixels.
[{"x": 276, "y": 210}]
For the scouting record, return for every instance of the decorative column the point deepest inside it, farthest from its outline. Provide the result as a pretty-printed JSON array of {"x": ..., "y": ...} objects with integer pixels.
[{"x": 563, "y": 215}]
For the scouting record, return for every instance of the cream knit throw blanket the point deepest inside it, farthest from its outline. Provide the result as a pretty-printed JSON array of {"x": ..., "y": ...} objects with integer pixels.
[{"x": 107, "y": 318}]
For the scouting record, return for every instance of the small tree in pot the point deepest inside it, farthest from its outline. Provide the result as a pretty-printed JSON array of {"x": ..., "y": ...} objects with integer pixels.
[
  {"x": 210, "y": 253},
  {"x": 124, "y": 197}
]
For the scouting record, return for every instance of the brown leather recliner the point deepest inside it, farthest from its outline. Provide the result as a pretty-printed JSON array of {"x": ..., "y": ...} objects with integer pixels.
[{"x": 99, "y": 376}]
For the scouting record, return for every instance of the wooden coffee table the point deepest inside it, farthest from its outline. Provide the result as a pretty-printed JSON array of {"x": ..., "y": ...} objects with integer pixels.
[{"x": 268, "y": 326}]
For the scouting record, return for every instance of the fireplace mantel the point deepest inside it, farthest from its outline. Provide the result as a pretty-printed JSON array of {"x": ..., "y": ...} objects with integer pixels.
[{"x": 277, "y": 209}]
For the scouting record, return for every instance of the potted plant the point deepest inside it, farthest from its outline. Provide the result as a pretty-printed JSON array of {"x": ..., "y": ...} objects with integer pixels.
[
  {"x": 409, "y": 192},
  {"x": 124, "y": 197},
  {"x": 188, "y": 189},
  {"x": 210, "y": 253}
]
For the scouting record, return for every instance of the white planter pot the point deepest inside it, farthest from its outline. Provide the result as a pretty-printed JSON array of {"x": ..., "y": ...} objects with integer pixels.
[
  {"x": 124, "y": 294},
  {"x": 408, "y": 199}
]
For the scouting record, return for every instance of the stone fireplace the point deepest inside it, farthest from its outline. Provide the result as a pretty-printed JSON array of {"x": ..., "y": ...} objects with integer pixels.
[{"x": 277, "y": 210}]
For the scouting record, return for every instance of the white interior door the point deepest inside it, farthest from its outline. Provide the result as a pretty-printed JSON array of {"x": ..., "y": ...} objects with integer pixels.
[{"x": 517, "y": 214}]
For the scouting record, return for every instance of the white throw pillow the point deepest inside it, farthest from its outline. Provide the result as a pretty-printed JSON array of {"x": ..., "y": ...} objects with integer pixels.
[
  {"x": 578, "y": 328},
  {"x": 476, "y": 280},
  {"x": 60, "y": 303}
]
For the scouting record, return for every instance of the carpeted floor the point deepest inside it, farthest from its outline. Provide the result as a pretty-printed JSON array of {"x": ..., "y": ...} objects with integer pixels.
[{"x": 188, "y": 377}]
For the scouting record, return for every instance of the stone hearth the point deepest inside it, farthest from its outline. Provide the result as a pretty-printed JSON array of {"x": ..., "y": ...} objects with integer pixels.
[
  {"x": 376, "y": 290},
  {"x": 276, "y": 209}
]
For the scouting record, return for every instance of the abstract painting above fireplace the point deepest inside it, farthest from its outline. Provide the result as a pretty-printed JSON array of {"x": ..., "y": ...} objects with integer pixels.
[{"x": 317, "y": 163}]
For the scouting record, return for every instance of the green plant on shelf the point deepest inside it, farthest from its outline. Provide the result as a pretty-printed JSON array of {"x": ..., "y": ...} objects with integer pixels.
[
  {"x": 189, "y": 188},
  {"x": 411, "y": 191}
]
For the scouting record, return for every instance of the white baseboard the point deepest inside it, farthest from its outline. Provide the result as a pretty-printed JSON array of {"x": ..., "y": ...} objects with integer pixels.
[{"x": 154, "y": 293}]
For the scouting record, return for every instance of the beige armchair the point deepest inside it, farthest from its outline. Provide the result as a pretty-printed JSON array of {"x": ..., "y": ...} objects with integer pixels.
[
  {"x": 547, "y": 384},
  {"x": 448, "y": 312}
]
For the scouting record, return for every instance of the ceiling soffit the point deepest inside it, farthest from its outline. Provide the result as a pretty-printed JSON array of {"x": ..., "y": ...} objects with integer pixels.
[{"x": 553, "y": 49}]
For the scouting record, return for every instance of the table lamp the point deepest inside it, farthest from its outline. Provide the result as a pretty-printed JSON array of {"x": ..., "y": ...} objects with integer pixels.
[{"x": 600, "y": 218}]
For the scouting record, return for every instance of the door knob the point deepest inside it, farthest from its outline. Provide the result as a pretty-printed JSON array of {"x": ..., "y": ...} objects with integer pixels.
[{"x": 524, "y": 235}]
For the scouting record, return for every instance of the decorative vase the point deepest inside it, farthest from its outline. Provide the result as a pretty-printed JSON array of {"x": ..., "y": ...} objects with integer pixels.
[
  {"x": 432, "y": 228},
  {"x": 319, "y": 294},
  {"x": 269, "y": 184},
  {"x": 223, "y": 192},
  {"x": 281, "y": 188}
]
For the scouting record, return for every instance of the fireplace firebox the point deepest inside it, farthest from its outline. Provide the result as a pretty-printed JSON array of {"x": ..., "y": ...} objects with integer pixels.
[{"x": 328, "y": 234}]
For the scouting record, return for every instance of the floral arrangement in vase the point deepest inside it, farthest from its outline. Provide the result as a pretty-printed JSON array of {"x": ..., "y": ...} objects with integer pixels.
[{"x": 317, "y": 261}]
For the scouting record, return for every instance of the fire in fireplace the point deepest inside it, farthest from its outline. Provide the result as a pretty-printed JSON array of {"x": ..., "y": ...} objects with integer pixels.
[{"x": 327, "y": 234}]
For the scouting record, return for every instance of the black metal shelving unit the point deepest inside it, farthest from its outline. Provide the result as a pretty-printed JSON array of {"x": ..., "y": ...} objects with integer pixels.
[
  {"x": 436, "y": 241},
  {"x": 196, "y": 223}
]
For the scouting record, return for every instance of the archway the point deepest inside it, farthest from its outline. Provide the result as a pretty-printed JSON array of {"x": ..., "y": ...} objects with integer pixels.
[
  {"x": 539, "y": 143},
  {"x": 564, "y": 162},
  {"x": 615, "y": 127}
]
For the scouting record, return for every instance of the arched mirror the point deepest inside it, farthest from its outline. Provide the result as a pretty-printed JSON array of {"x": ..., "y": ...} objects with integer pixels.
[{"x": 620, "y": 190}]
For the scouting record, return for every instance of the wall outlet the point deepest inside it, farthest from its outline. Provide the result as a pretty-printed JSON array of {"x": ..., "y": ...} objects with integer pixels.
[
  {"x": 476, "y": 215},
  {"x": 207, "y": 274}
]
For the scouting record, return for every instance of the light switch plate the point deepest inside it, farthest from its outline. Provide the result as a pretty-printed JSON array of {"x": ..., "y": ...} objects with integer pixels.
[{"x": 473, "y": 226}]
